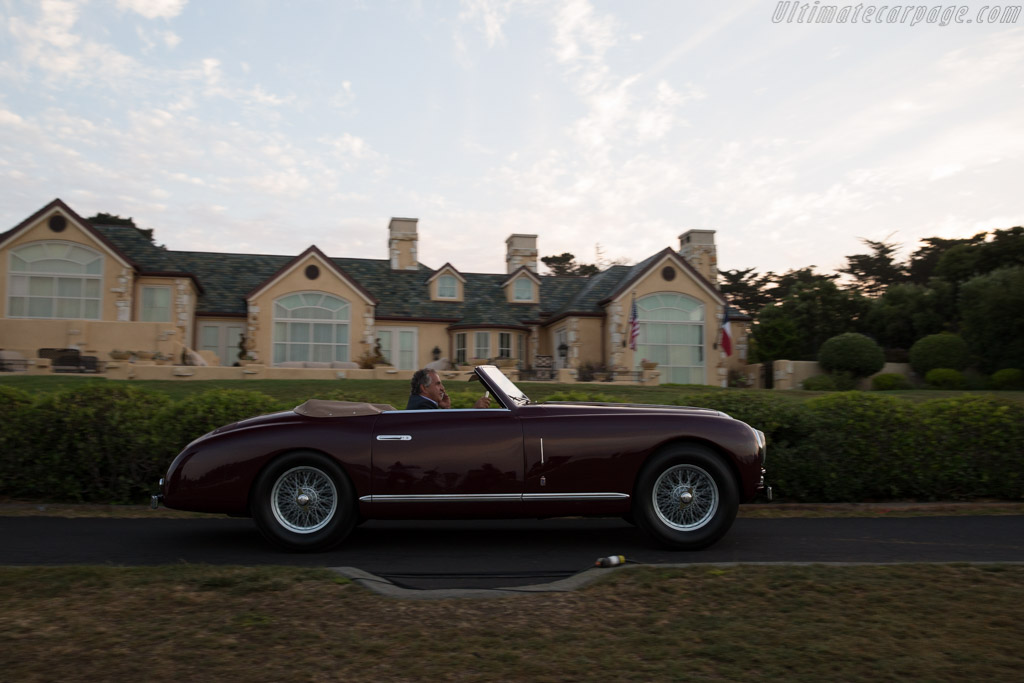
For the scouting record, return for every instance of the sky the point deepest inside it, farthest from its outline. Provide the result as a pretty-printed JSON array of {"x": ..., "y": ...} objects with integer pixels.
[{"x": 607, "y": 128}]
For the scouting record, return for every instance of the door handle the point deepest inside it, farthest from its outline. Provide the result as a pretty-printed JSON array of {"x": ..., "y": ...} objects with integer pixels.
[{"x": 394, "y": 437}]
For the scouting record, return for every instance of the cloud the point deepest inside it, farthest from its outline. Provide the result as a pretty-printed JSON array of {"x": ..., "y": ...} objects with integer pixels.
[{"x": 154, "y": 9}]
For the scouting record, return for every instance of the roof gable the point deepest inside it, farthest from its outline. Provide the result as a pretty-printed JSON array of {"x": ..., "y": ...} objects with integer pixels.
[
  {"x": 327, "y": 263},
  {"x": 450, "y": 270},
  {"x": 58, "y": 207},
  {"x": 659, "y": 260}
]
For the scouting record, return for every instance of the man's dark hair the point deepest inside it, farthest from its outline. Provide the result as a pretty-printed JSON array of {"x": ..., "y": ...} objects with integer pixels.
[{"x": 421, "y": 378}]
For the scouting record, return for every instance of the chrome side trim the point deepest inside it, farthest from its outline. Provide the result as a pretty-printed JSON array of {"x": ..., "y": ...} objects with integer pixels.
[
  {"x": 461, "y": 410},
  {"x": 489, "y": 497},
  {"x": 542, "y": 451},
  {"x": 394, "y": 437},
  {"x": 574, "y": 496},
  {"x": 443, "y": 498}
]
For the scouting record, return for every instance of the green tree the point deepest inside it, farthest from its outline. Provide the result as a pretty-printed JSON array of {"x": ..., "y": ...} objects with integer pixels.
[
  {"x": 923, "y": 262},
  {"x": 746, "y": 289},
  {"x": 873, "y": 273},
  {"x": 565, "y": 264},
  {"x": 992, "y": 314},
  {"x": 797, "y": 326},
  {"x": 907, "y": 312}
]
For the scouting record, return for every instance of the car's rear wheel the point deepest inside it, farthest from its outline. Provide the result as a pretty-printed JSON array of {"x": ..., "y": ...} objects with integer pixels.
[
  {"x": 686, "y": 497},
  {"x": 303, "y": 502}
]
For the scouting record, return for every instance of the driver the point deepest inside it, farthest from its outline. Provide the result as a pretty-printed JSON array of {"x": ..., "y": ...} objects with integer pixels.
[{"x": 428, "y": 393}]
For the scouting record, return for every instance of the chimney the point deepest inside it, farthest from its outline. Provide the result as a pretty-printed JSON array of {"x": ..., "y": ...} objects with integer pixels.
[
  {"x": 698, "y": 248},
  {"x": 402, "y": 240},
  {"x": 521, "y": 250}
]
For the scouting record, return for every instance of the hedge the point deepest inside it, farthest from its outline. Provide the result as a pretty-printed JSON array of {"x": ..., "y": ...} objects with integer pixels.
[{"x": 102, "y": 443}]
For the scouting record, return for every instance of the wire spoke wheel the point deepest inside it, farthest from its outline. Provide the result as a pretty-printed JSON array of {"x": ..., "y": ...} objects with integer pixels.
[
  {"x": 304, "y": 499},
  {"x": 685, "y": 497}
]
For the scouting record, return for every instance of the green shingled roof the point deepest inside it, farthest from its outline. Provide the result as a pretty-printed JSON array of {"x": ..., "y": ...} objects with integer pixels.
[{"x": 226, "y": 280}]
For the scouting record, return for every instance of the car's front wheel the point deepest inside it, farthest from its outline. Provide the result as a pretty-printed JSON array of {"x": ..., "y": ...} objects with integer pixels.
[
  {"x": 686, "y": 497},
  {"x": 303, "y": 502}
]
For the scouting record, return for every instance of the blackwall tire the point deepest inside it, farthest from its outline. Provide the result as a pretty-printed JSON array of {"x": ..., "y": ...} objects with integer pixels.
[
  {"x": 686, "y": 498},
  {"x": 304, "y": 502}
]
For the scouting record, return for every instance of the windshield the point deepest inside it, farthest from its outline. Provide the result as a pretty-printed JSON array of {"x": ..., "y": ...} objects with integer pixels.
[{"x": 498, "y": 379}]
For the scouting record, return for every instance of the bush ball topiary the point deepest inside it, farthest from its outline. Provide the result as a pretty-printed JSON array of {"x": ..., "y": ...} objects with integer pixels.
[
  {"x": 939, "y": 351},
  {"x": 853, "y": 353},
  {"x": 945, "y": 378},
  {"x": 1007, "y": 379}
]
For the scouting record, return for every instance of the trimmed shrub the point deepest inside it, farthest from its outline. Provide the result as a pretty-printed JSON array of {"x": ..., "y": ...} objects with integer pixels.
[
  {"x": 972, "y": 447},
  {"x": 1007, "y": 379},
  {"x": 945, "y": 378},
  {"x": 820, "y": 383},
  {"x": 15, "y": 406},
  {"x": 939, "y": 351},
  {"x": 94, "y": 443},
  {"x": 890, "y": 381},
  {"x": 188, "y": 419},
  {"x": 853, "y": 446},
  {"x": 851, "y": 353}
]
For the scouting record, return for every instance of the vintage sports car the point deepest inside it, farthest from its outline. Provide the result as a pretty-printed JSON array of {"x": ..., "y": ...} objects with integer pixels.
[{"x": 309, "y": 475}]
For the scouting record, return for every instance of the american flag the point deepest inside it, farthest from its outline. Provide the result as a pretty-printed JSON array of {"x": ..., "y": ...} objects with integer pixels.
[{"x": 634, "y": 325}]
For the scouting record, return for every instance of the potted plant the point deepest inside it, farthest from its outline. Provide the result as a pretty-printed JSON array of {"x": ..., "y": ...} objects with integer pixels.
[
  {"x": 648, "y": 364},
  {"x": 145, "y": 355},
  {"x": 118, "y": 354}
]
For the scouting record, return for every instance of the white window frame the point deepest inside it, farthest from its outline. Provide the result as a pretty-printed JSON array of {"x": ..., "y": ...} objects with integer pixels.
[
  {"x": 692, "y": 373},
  {"x": 447, "y": 281},
  {"x": 460, "y": 348},
  {"x": 520, "y": 293},
  {"x": 21, "y": 281},
  {"x": 405, "y": 359},
  {"x": 477, "y": 346},
  {"x": 288, "y": 349},
  {"x": 143, "y": 310}
]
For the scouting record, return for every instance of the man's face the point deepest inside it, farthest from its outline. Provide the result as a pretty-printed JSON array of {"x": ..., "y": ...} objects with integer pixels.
[{"x": 436, "y": 388}]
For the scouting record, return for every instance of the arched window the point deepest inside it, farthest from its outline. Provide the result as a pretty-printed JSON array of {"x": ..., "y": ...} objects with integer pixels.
[
  {"x": 447, "y": 287},
  {"x": 311, "y": 326},
  {"x": 672, "y": 333},
  {"x": 55, "y": 280}
]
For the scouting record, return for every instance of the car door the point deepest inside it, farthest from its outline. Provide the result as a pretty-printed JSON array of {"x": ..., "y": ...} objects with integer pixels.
[{"x": 442, "y": 463}]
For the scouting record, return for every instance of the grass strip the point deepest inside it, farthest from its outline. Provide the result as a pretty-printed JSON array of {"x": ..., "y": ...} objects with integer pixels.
[{"x": 801, "y": 623}]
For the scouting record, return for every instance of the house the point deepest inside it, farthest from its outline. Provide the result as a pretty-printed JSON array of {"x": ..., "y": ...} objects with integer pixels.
[{"x": 69, "y": 283}]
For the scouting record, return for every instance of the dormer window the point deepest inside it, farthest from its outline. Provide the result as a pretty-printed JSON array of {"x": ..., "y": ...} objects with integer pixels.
[
  {"x": 523, "y": 289},
  {"x": 447, "y": 287},
  {"x": 446, "y": 284}
]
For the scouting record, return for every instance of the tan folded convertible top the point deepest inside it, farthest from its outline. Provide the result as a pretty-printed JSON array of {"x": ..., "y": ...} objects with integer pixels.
[{"x": 318, "y": 408}]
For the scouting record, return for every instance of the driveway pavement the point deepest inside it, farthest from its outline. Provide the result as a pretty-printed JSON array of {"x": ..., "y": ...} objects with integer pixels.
[{"x": 486, "y": 554}]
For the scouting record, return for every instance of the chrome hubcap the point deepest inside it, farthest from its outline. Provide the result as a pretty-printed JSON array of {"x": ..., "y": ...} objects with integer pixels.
[
  {"x": 685, "y": 497},
  {"x": 304, "y": 499}
]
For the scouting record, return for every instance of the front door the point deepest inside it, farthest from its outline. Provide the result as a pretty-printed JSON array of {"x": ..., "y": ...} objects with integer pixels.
[{"x": 441, "y": 463}]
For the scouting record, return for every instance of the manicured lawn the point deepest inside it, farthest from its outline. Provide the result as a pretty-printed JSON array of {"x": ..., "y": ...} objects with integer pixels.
[
  {"x": 743, "y": 623},
  {"x": 396, "y": 392}
]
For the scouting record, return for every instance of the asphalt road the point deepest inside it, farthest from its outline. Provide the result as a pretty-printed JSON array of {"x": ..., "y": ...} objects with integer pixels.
[{"x": 486, "y": 554}]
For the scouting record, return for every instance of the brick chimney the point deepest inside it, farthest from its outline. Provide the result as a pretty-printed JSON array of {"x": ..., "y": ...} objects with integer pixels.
[
  {"x": 521, "y": 250},
  {"x": 698, "y": 248},
  {"x": 402, "y": 240}
]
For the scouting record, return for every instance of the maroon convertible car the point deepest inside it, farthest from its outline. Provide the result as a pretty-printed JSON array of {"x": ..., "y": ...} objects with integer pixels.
[{"x": 309, "y": 475}]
